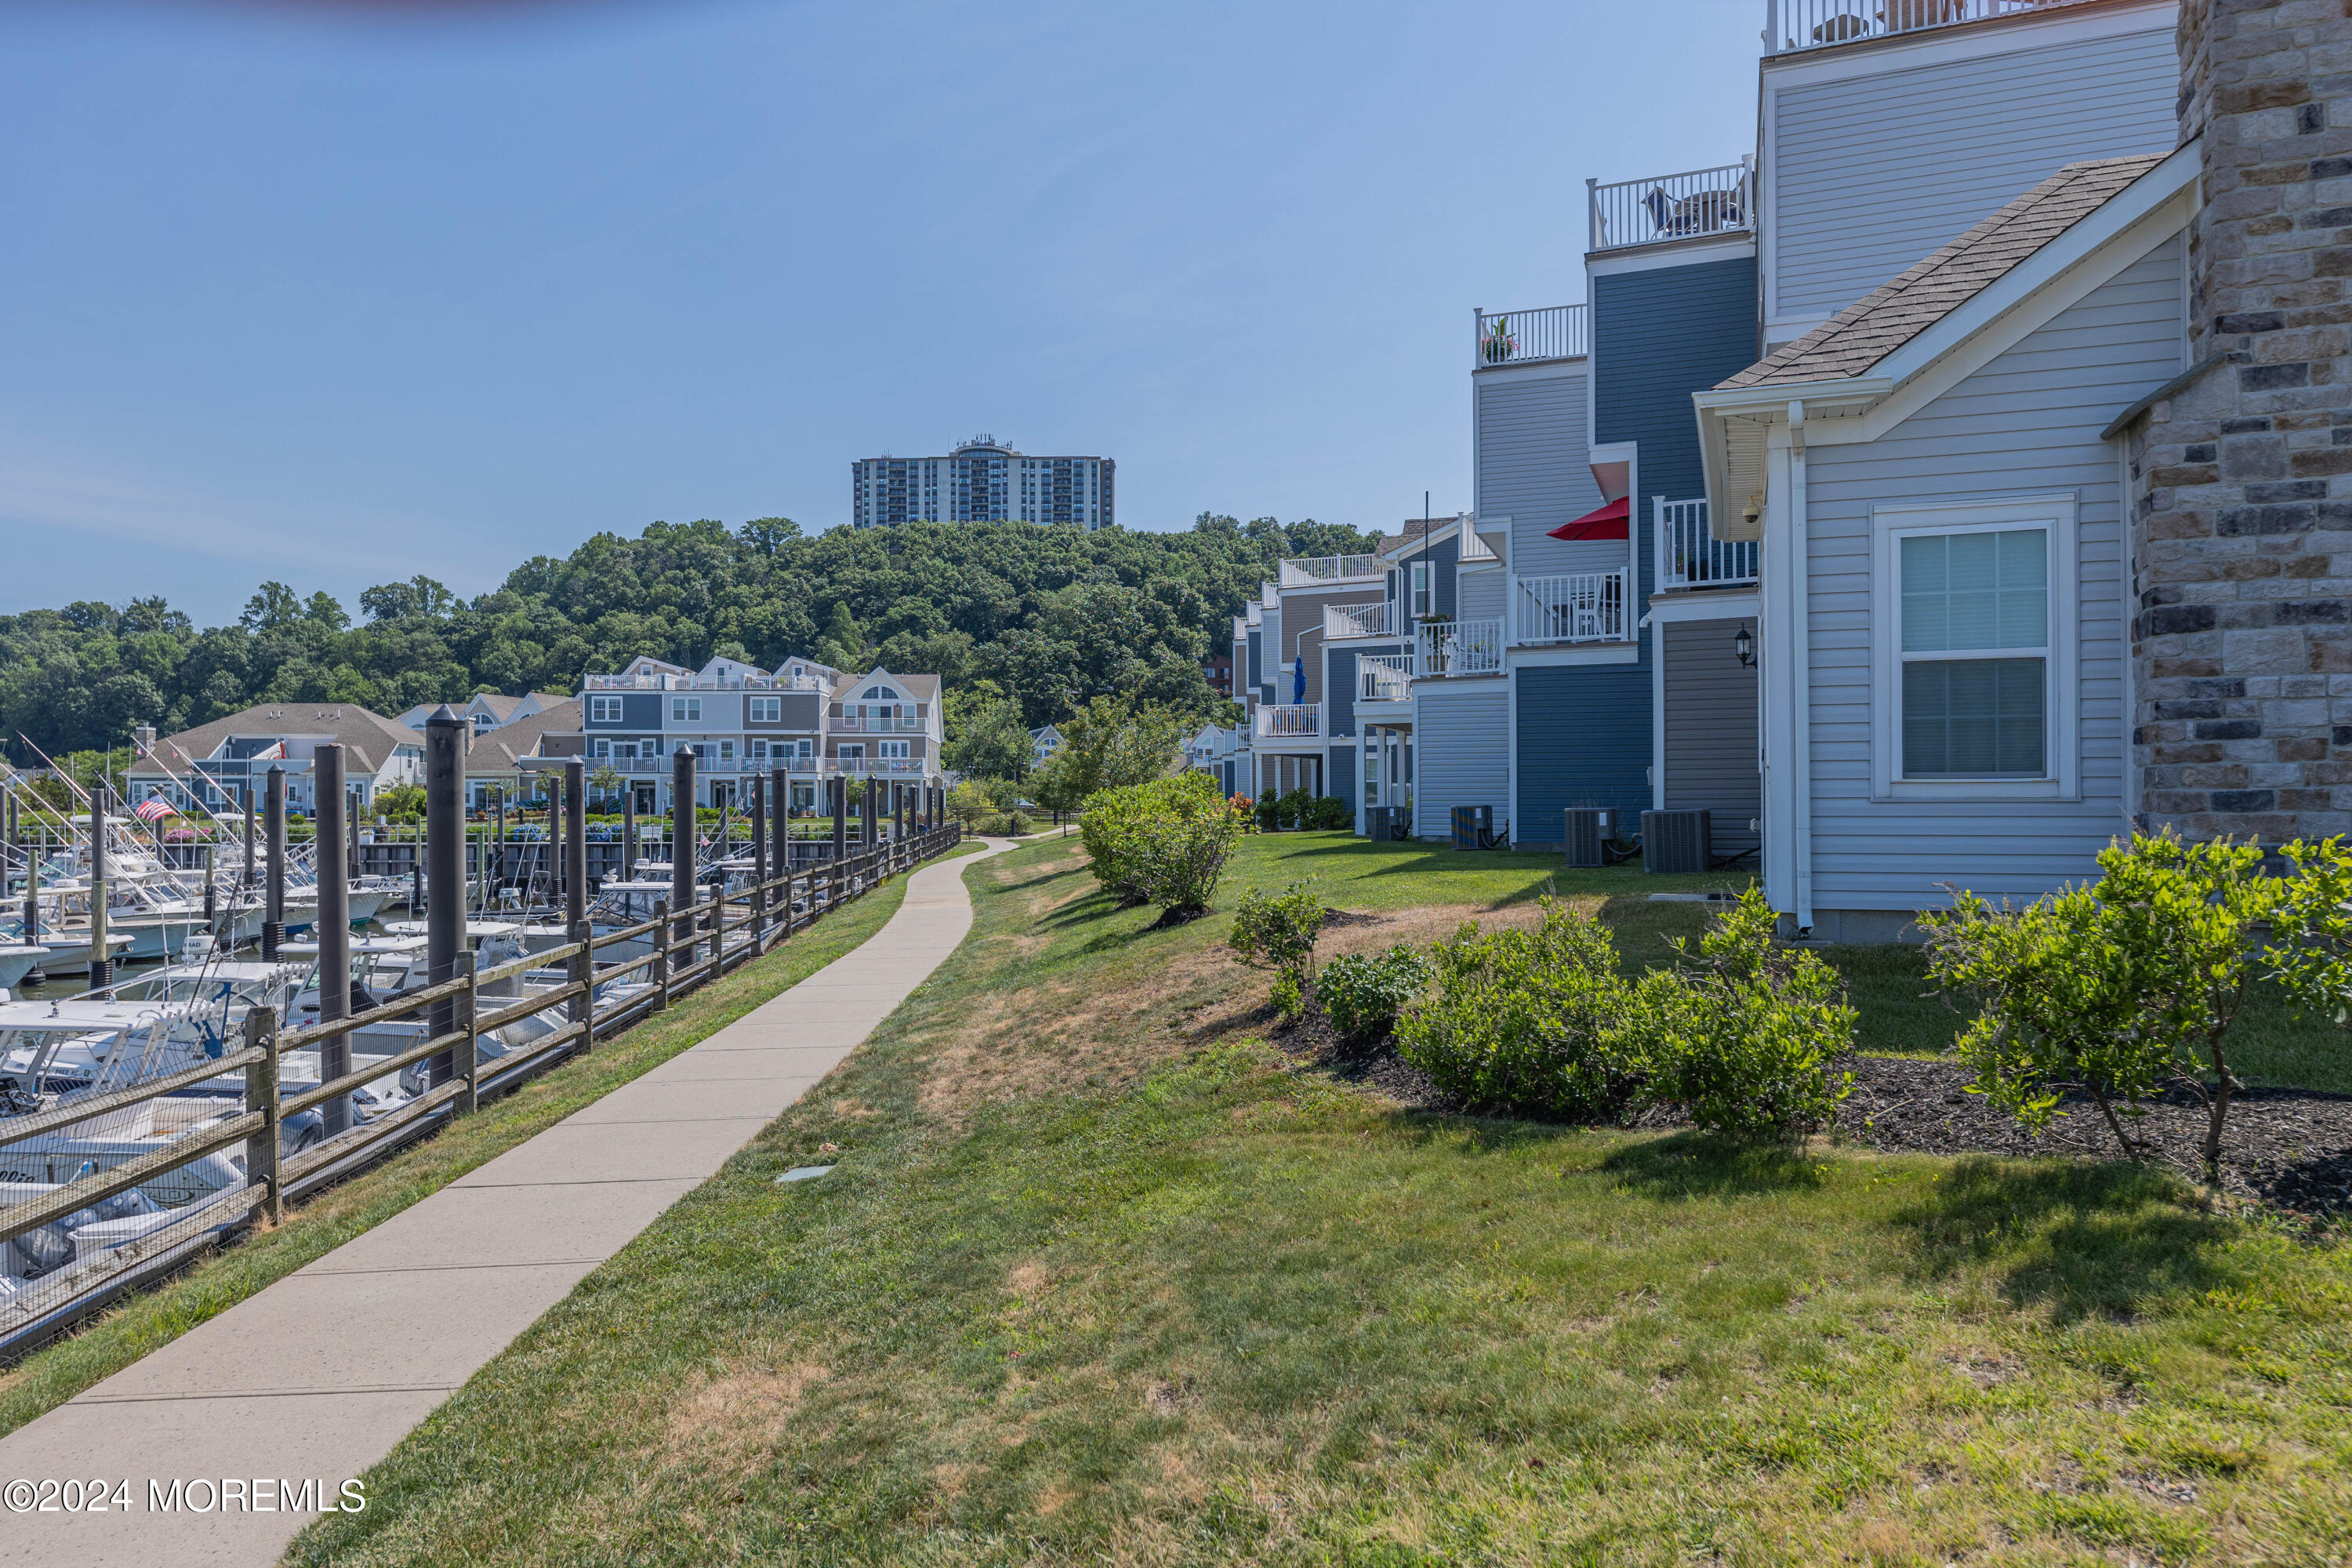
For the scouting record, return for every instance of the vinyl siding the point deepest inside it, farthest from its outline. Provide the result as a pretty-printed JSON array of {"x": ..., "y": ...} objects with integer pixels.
[
  {"x": 1482, "y": 592},
  {"x": 1711, "y": 729},
  {"x": 1460, "y": 758},
  {"x": 2028, "y": 423},
  {"x": 1869, "y": 175},
  {"x": 1339, "y": 774},
  {"x": 1338, "y": 678},
  {"x": 1533, "y": 464},
  {"x": 1583, "y": 740}
]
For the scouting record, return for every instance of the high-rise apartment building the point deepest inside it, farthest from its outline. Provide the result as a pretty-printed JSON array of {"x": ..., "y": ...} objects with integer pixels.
[{"x": 982, "y": 482}]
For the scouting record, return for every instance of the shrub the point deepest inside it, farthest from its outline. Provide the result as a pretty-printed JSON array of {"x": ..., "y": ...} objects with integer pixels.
[
  {"x": 1161, "y": 843},
  {"x": 1268, "y": 810},
  {"x": 1280, "y": 934},
  {"x": 1364, "y": 992},
  {"x": 1531, "y": 1022},
  {"x": 1289, "y": 997},
  {"x": 2135, "y": 981},
  {"x": 1327, "y": 813},
  {"x": 1741, "y": 1031},
  {"x": 1016, "y": 824},
  {"x": 1290, "y": 811}
]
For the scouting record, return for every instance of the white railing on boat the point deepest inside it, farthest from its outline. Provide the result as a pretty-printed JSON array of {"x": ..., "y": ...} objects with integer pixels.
[
  {"x": 1571, "y": 608},
  {"x": 1356, "y": 620},
  {"x": 1384, "y": 677},
  {"x": 1458, "y": 647},
  {"x": 1690, "y": 556}
]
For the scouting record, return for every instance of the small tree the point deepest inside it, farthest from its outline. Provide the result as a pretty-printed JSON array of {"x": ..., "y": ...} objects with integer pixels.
[
  {"x": 2136, "y": 980},
  {"x": 968, "y": 803},
  {"x": 1280, "y": 934}
]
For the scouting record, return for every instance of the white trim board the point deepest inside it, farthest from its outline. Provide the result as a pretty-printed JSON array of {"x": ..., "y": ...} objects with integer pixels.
[{"x": 1553, "y": 657}]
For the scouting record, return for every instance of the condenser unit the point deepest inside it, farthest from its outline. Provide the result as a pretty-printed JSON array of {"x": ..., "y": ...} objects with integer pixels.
[{"x": 1673, "y": 842}]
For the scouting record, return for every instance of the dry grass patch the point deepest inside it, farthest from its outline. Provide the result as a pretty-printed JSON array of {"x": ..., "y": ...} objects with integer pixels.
[{"x": 731, "y": 1421}]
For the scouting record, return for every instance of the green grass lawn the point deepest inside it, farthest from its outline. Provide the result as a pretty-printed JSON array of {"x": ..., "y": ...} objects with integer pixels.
[
  {"x": 1101, "y": 1279},
  {"x": 52, "y": 1376}
]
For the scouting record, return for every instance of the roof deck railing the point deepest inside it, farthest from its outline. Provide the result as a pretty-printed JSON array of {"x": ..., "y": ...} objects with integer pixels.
[
  {"x": 1326, "y": 570},
  {"x": 1531, "y": 336},
  {"x": 1693, "y": 204},
  {"x": 1793, "y": 25}
]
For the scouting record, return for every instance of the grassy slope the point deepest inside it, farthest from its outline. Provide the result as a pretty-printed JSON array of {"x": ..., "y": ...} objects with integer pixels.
[
  {"x": 52, "y": 1376},
  {"x": 1098, "y": 1279}
]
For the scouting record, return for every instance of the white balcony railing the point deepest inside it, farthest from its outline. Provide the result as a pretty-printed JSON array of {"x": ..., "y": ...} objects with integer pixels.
[
  {"x": 1577, "y": 607},
  {"x": 874, "y": 725},
  {"x": 1690, "y": 556},
  {"x": 1355, "y": 621},
  {"x": 885, "y": 766},
  {"x": 1326, "y": 571},
  {"x": 1531, "y": 337},
  {"x": 690, "y": 683},
  {"x": 1688, "y": 206},
  {"x": 1384, "y": 677},
  {"x": 1290, "y": 721},
  {"x": 659, "y": 767},
  {"x": 1794, "y": 25},
  {"x": 1458, "y": 647}
]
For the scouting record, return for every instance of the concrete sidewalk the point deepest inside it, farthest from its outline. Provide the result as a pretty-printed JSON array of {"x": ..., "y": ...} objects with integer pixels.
[{"x": 318, "y": 1377}]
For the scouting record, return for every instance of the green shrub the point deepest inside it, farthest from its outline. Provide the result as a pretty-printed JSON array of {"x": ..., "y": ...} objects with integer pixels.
[
  {"x": 1289, "y": 997},
  {"x": 1016, "y": 824},
  {"x": 1531, "y": 1022},
  {"x": 1291, "y": 809},
  {"x": 1268, "y": 811},
  {"x": 2134, "y": 981},
  {"x": 1280, "y": 934},
  {"x": 1740, "y": 1033},
  {"x": 1363, "y": 993},
  {"x": 1327, "y": 813},
  {"x": 1163, "y": 843}
]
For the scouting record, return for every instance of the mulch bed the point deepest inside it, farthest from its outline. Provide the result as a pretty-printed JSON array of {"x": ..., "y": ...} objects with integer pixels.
[{"x": 2291, "y": 1149}]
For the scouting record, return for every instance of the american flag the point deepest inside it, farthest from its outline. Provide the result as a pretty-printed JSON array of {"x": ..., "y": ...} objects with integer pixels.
[{"x": 154, "y": 808}]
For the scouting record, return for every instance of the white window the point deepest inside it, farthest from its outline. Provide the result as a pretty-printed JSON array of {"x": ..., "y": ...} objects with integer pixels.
[
  {"x": 807, "y": 749},
  {"x": 897, "y": 749},
  {"x": 757, "y": 751},
  {"x": 1974, "y": 642},
  {"x": 603, "y": 710},
  {"x": 599, "y": 749},
  {"x": 1420, "y": 602},
  {"x": 880, "y": 693},
  {"x": 686, "y": 709},
  {"x": 726, "y": 751},
  {"x": 767, "y": 711}
]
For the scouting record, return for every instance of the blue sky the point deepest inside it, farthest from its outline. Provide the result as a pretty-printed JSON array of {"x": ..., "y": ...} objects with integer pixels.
[{"x": 337, "y": 294}]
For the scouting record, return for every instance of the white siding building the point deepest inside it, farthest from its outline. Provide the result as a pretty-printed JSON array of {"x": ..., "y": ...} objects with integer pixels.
[{"x": 983, "y": 481}]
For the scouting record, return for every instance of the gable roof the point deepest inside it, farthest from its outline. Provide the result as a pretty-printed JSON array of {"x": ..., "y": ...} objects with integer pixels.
[
  {"x": 369, "y": 738},
  {"x": 502, "y": 749},
  {"x": 1865, "y": 332},
  {"x": 920, "y": 688}
]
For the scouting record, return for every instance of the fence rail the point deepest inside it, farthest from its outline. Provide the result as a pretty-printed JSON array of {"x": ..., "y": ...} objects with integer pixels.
[
  {"x": 1690, "y": 556},
  {"x": 85, "y": 1257},
  {"x": 1290, "y": 721},
  {"x": 1689, "y": 205},
  {"x": 1324, "y": 571},
  {"x": 1793, "y": 25},
  {"x": 1443, "y": 649},
  {"x": 1384, "y": 677},
  {"x": 1572, "y": 607},
  {"x": 1531, "y": 337}
]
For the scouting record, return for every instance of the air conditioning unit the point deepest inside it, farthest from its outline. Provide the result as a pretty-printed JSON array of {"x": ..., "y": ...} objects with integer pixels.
[
  {"x": 1673, "y": 842},
  {"x": 1585, "y": 827},
  {"x": 1388, "y": 822},
  {"x": 1474, "y": 828}
]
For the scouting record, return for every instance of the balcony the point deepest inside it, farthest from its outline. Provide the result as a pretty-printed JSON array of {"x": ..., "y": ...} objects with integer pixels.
[
  {"x": 691, "y": 683},
  {"x": 869, "y": 724},
  {"x": 1793, "y": 25},
  {"x": 1442, "y": 648},
  {"x": 1355, "y": 621},
  {"x": 799, "y": 768},
  {"x": 1574, "y": 607},
  {"x": 1384, "y": 677},
  {"x": 1690, "y": 556},
  {"x": 1531, "y": 336},
  {"x": 1695, "y": 205},
  {"x": 1330, "y": 570},
  {"x": 1290, "y": 721}
]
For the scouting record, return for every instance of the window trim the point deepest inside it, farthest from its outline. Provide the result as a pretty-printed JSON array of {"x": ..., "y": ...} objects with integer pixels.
[
  {"x": 686, "y": 709},
  {"x": 1890, "y": 524},
  {"x": 1421, "y": 589},
  {"x": 604, "y": 711},
  {"x": 764, "y": 709}
]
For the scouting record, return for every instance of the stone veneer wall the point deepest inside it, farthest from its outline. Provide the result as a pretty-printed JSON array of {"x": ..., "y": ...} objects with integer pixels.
[{"x": 2241, "y": 483}]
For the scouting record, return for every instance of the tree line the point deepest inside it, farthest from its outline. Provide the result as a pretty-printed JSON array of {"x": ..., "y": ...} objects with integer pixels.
[{"x": 1027, "y": 624}]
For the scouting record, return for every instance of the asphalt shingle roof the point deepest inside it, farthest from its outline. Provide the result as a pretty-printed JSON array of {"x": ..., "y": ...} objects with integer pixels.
[
  {"x": 370, "y": 737},
  {"x": 1862, "y": 335}
]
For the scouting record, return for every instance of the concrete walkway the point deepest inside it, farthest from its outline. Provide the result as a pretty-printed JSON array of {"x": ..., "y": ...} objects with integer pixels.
[{"x": 318, "y": 1377}]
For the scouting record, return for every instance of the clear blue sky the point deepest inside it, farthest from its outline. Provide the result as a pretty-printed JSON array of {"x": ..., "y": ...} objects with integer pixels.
[{"x": 337, "y": 294}]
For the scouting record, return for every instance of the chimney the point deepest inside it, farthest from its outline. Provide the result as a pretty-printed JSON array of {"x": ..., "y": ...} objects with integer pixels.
[{"x": 2242, "y": 479}]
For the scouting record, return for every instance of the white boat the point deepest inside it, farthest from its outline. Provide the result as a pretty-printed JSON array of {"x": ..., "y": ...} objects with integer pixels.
[{"x": 17, "y": 960}]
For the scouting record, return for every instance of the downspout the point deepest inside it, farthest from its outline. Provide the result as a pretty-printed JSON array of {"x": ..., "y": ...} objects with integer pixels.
[{"x": 1801, "y": 757}]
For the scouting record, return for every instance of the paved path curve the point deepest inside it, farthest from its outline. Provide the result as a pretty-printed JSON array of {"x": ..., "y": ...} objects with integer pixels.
[{"x": 319, "y": 1375}]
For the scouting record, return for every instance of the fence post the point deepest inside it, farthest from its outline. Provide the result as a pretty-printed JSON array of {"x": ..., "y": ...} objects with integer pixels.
[
  {"x": 583, "y": 975},
  {"x": 661, "y": 955},
  {"x": 261, "y": 1094},
  {"x": 758, "y": 788},
  {"x": 469, "y": 1049}
]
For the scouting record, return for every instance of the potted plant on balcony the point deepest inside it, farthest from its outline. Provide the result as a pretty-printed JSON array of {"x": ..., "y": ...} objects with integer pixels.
[{"x": 1499, "y": 344}]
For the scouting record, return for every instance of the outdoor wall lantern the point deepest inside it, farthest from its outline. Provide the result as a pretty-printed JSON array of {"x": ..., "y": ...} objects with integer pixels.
[{"x": 1744, "y": 645}]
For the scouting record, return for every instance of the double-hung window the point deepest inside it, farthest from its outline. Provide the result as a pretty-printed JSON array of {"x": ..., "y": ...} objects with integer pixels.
[
  {"x": 1974, "y": 635},
  {"x": 603, "y": 710},
  {"x": 896, "y": 750},
  {"x": 686, "y": 709},
  {"x": 766, "y": 709},
  {"x": 1421, "y": 600}
]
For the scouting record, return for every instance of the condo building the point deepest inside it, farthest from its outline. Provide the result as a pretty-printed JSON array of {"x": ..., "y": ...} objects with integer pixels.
[{"x": 983, "y": 481}]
